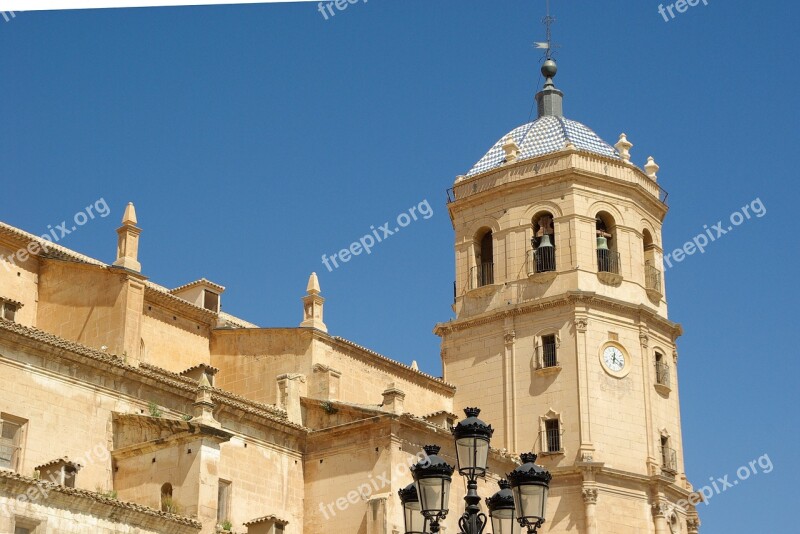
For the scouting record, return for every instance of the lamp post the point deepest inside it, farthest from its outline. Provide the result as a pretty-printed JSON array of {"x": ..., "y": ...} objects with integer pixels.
[
  {"x": 432, "y": 477},
  {"x": 425, "y": 503},
  {"x": 501, "y": 509},
  {"x": 530, "y": 484},
  {"x": 415, "y": 522}
]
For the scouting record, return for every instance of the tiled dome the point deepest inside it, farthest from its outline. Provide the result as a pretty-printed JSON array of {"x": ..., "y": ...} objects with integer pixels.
[{"x": 545, "y": 135}]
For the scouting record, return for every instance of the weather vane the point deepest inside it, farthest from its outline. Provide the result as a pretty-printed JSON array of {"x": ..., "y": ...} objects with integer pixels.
[{"x": 548, "y": 23}]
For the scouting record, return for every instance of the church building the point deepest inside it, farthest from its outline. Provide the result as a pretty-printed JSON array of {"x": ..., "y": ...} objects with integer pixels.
[{"x": 128, "y": 407}]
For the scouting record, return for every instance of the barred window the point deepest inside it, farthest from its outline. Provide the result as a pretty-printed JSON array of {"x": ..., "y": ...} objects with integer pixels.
[
  {"x": 553, "y": 435},
  {"x": 549, "y": 353}
]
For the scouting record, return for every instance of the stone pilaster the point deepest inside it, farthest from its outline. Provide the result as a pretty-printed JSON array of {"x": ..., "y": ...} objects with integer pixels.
[{"x": 590, "y": 509}]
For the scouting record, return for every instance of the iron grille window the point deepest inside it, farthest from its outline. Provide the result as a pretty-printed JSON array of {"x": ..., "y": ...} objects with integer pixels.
[
  {"x": 607, "y": 261},
  {"x": 482, "y": 275},
  {"x": 669, "y": 460},
  {"x": 552, "y": 430},
  {"x": 549, "y": 352},
  {"x": 652, "y": 277}
]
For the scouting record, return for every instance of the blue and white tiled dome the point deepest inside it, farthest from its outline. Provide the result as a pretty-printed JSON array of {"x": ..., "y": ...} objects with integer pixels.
[{"x": 545, "y": 135}]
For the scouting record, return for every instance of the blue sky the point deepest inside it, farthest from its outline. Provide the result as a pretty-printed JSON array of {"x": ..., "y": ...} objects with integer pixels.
[{"x": 255, "y": 138}]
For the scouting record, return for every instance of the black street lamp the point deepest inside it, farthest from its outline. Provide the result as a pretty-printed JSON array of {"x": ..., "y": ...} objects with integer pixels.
[
  {"x": 523, "y": 497},
  {"x": 432, "y": 477},
  {"x": 501, "y": 509},
  {"x": 415, "y": 522},
  {"x": 530, "y": 484}
]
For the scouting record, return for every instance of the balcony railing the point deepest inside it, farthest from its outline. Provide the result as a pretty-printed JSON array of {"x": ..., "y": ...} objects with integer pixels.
[
  {"x": 669, "y": 460},
  {"x": 481, "y": 275},
  {"x": 547, "y": 356},
  {"x": 607, "y": 261},
  {"x": 542, "y": 260},
  {"x": 652, "y": 277},
  {"x": 662, "y": 374}
]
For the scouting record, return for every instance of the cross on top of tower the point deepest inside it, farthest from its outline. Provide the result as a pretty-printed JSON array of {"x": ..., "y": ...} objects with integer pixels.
[{"x": 548, "y": 45}]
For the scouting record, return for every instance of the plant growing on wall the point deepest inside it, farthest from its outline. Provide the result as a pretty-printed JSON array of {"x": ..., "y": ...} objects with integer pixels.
[
  {"x": 169, "y": 505},
  {"x": 155, "y": 411},
  {"x": 329, "y": 407}
]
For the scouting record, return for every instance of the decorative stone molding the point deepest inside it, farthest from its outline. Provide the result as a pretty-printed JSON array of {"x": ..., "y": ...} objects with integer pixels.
[
  {"x": 291, "y": 387},
  {"x": 393, "y": 399},
  {"x": 583, "y": 298},
  {"x": 612, "y": 279},
  {"x": 326, "y": 382},
  {"x": 590, "y": 495},
  {"x": 510, "y": 337},
  {"x": 581, "y": 324},
  {"x": 693, "y": 525},
  {"x": 644, "y": 339},
  {"x": 660, "y": 509}
]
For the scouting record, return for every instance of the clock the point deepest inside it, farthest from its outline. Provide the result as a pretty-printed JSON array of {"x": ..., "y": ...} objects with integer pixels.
[{"x": 615, "y": 360}]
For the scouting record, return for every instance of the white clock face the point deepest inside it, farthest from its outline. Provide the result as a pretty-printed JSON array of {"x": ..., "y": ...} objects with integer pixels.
[{"x": 614, "y": 359}]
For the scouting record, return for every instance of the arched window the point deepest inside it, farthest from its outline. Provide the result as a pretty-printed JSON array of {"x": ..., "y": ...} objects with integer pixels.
[
  {"x": 652, "y": 274},
  {"x": 167, "y": 504},
  {"x": 483, "y": 272},
  {"x": 543, "y": 243},
  {"x": 607, "y": 255}
]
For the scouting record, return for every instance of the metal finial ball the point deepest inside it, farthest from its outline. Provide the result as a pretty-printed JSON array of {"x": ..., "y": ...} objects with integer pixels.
[{"x": 549, "y": 68}]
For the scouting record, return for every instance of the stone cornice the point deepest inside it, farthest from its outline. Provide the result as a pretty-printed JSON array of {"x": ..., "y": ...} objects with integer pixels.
[
  {"x": 97, "y": 505},
  {"x": 571, "y": 298},
  {"x": 178, "y": 432},
  {"x": 402, "y": 370},
  {"x": 557, "y": 165},
  {"x": 102, "y": 362},
  {"x": 168, "y": 300}
]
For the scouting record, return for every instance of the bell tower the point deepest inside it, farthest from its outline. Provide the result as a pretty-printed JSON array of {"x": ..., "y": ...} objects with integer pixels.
[{"x": 561, "y": 333}]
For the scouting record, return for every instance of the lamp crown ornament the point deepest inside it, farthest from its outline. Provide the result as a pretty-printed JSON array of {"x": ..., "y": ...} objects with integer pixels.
[
  {"x": 431, "y": 450},
  {"x": 472, "y": 426}
]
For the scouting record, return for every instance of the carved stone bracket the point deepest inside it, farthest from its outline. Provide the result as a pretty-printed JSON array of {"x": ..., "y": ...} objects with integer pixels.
[
  {"x": 660, "y": 509},
  {"x": 644, "y": 339},
  {"x": 581, "y": 324},
  {"x": 510, "y": 337},
  {"x": 590, "y": 495},
  {"x": 693, "y": 525}
]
